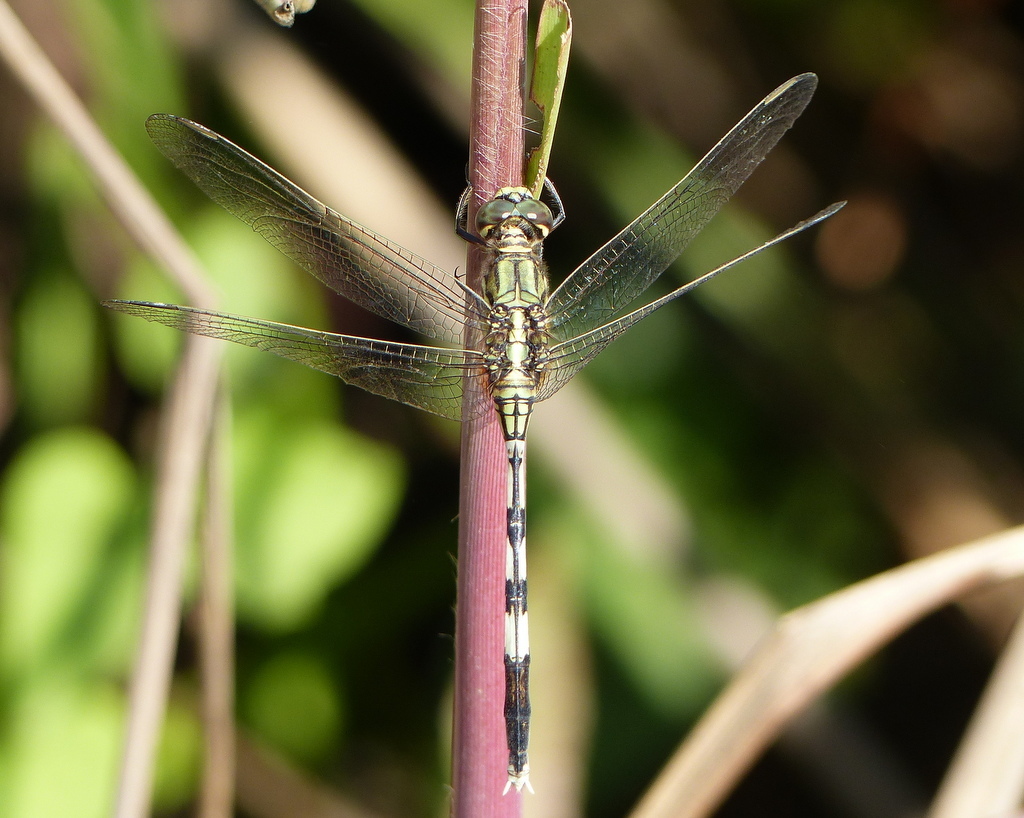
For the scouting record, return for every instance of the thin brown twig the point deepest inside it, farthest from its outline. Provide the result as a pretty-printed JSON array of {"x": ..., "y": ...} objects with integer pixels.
[
  {"x": 479, "y": 757},
  {"x": 216, "y": 631},
  {"x": 270, "y": 787},
  {"x": 127, "y": 198},
  {"x": 186, "y": 423}
]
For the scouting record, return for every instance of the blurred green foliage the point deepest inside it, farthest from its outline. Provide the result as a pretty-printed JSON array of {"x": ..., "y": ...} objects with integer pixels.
[{"x": 293, "y": 703}]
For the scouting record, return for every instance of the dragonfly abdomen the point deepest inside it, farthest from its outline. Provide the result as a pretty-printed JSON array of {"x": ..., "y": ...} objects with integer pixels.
[
  {"x": 517, "y": 722},
  {"x": 517, "y": 632},
  {"x": 513, "y": 388}
]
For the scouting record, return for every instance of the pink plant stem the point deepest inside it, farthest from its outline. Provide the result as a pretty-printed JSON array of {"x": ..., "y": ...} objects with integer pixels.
[{"x": 480, "y": 757}]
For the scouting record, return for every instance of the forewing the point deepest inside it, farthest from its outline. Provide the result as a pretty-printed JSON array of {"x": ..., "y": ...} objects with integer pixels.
[
  {"x": 567, "y": 358},
  {"x": 366, "y": 268},
  {"x": 607, "y": 282},
  {"x": 429, "y": 378}
]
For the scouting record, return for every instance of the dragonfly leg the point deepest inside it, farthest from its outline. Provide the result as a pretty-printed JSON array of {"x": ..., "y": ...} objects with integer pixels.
[
  {"x": 558, "y": 211},
  {"x": 462, "y": 218}
]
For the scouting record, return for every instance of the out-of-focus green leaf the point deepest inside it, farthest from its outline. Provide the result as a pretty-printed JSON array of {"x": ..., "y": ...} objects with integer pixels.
[
  {"x": 293, "y": 704},
  {"x": 795, "y": 556},
  {"x": 116, "y": 34},
  {"x": 62, "y": 498},
  {"x": 62, "y": 745},
  {"x": 54, "y": 170},
  {"x": 56, "y": 350},
  {"x": 551, "y": 59},
  {"x": 647, "y": 618},
  {"x": 313, "y": 501}
]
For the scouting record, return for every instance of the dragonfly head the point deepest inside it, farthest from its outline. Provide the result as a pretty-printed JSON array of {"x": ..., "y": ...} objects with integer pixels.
[{"x": 514, "y": 203}]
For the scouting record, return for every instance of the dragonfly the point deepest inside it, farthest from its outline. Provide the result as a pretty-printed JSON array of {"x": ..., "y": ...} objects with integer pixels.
[{"x": 518, "y": 339}]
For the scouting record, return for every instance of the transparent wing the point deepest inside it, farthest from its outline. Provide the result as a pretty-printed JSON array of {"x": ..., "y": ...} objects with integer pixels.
[
  {"x": 364, "y": 267},
  {"x": 429, "y": 378},
  {"x": 567, "y": 358},
  {"x": 607, "y": 282}
]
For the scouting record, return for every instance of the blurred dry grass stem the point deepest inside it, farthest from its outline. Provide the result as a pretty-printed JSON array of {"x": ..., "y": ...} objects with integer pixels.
[
  {"x": 269, "y": 787},
  {"x": 216, "y": 627},
  {"x": 186, "y": 424},
  {"x": 131, "y": 203},
  {"x": 987, "y": 774},
  {"x": 330, "y": 146},
  {"x": 809, "y": 650}
]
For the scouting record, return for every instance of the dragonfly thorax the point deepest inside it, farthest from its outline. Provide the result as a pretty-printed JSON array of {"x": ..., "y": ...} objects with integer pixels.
[
  {"x": 513, "y": 226},
  {"x": 517, "y": 338}
]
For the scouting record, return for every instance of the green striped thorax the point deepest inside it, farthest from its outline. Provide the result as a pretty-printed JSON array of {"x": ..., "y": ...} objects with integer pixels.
[{"x": 513, "y": 225}]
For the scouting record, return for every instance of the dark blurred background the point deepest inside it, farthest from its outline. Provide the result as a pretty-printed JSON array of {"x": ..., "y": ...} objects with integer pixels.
[{"x": 824, "y": 412}]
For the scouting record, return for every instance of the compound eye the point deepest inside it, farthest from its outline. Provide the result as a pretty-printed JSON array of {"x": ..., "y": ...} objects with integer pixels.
[
  {"x": 492, "y": 214},
  {"x": 538, "y": 213}
]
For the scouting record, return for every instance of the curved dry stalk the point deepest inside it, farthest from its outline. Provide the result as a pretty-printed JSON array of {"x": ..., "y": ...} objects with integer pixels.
[
  {"x": 809, "y": 650},
  {"x": 186, "y": 423},
  {"x": 479, "y": 756},
  {"x": 987, "y": 773}
]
